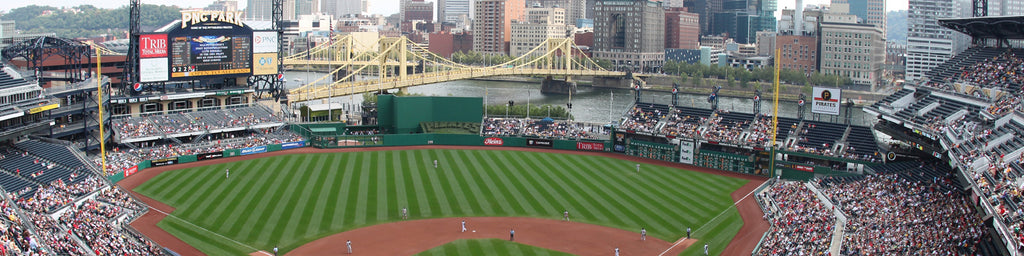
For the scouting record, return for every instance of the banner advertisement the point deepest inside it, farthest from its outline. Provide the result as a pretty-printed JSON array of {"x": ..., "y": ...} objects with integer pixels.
[
  {"x": 686, "y": 151},
  {"x": 264, "y": 42},
  {"x": 539, "y": 143},
  {"x": 153, "y": 70},
  {"x": 153, "y": 46},
  {"x": 803, "y": 168},
  {"x": 211, "y": 155},
  {"x": 494, "y": 141},
  {"x": 165, "y": 161},
  {"x": 264, "y": 63},
  {"x": 131, "y": 170},
  {"x": 296, "y": 144},
  {"x": 826, "y": 101},
  {"x": 254, "y": 150},
  {"x": 590, "y": 146}
]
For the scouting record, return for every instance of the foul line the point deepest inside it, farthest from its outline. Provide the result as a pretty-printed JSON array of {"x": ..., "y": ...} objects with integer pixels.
[
  {"x": 713, "y": 219},
  {"x": 208, "y": 231}
]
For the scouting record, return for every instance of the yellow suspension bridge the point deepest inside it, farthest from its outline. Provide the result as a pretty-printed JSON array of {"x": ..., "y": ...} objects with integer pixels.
[{"x": 389, "y": 59}]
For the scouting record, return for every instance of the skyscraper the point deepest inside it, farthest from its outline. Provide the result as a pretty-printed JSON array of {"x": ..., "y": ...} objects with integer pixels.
[
  {"x": 742, "y": 19},
  {"x": 928, "y": 43},
  {"x": 539, "y": 25},
  {"x": 452, "y": 10},
  {"x": 574, "y": 9},
  {"x": 492, "y": 24},
  {"x": 630, "y": 33},
  {"x": 682, "y": 29},
  {"x": 341, "y": 8},
  {"x": 258, "y": 9},
  {"x": 870, "y": 11}
]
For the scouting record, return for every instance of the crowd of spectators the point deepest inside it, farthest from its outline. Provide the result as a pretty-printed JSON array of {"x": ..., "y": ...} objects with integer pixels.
[
  {"x": 191, "y": 122},
  {"x": 120, "y": 159},
  {"x": 94, "y": 222},
  {"x": 502, "y": 127},
  {"x": 1007, "y": 104},
  {"x": 801, "y": 224},
  {"x": 14, "y": 238},
  {"x": 905, "y": 214},
  {"x": 681, "y": 125},
  {"x": 1001, "y": 186},
  {"x": 643, "y": 120},
  {"x": 547, "y": 128},
  {"x": 1003, "y": 71},
  {"x": 725, "y": 131}
]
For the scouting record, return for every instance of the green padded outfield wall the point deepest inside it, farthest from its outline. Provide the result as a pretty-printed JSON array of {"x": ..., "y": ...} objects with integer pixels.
[{"x": 403, "y": 115}]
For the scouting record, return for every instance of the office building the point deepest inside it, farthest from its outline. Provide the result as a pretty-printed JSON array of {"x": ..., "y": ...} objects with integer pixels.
[
  {"x": 630, "y": 33},
  {"x": 539, "y": 25},
  {"x": 682, "y": 29},
  {"x": 492, "y": 24}
]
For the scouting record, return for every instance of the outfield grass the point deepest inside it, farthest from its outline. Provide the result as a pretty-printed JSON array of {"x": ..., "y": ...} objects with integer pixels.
[
  {"x": 290, "y": 200},
  {"x": 490, "y": 247}
]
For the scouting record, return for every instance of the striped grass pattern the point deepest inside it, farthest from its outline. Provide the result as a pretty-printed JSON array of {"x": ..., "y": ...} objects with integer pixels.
[{"x": 290, "y": 200}]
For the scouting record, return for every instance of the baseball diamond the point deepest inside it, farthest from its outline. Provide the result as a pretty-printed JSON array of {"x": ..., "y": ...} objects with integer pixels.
[{"x": 307, "y": 196}]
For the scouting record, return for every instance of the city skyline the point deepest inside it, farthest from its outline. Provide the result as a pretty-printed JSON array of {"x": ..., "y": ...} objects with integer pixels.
[{"x": 386, "y": 7}]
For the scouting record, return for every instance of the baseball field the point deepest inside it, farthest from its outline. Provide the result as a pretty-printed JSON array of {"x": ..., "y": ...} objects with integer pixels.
[{"x": 291, "y": 200}]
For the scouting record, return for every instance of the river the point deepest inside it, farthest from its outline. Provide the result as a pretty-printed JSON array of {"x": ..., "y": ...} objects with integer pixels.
[{"x": 589, "y": 104}]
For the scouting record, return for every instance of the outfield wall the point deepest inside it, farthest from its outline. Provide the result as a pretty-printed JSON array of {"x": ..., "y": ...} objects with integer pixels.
[{"x": 118, "y": 175}]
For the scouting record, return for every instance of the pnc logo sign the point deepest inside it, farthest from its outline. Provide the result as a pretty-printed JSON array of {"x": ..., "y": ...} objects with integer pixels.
[{"x": 494, "y": 141}]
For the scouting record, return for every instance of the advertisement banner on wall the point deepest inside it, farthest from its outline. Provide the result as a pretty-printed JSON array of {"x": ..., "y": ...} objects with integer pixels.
[
  {"x": 590, "y": 146},
  {"x": 211, "y": 155},
  {"x": 686, "y": 151},
  {"x": 296, "y": 144},
  {"x": 153, "y": 46},
  {"x": 153, "y": 70},
  {"x": 254, "y": 150},
  {"x": 264, "y": 63},
  {"x": 539, "y": 143},
  {"x": 826, "y": 101},
  {"x": 165, "y": 161},
  {"x": 803, "y": 168},
  {"x": 492, "y": 141},
  {"x": 264, "y": 41},
  {"x": 131, "y": 170}
]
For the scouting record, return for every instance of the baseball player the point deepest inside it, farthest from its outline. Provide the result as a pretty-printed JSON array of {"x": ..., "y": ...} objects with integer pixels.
[
  {"x": 227, "y": 173},
  {"x": 565, "y": 215},
  {"x": 643, "y": 234},
  {"x": 637, "y": 168},
  {"x": 435, "y": 163},
  {"x": 512, "y": 234},
  {"x": 463, "y": 226},
  {"x": 616, "y": 251},
  {"x": 705, "y": 248},
  {"x": 687, "y": 232},
  {"x": 348, "y": 243},
  {"x": 405, "y": 213},
  {"x": 275, "y": 250}
]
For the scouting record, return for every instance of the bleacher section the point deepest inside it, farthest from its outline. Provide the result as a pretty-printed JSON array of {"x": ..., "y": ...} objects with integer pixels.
[
  {"x": 146, "y": 128},
  {"x": 861, "y": 142}
]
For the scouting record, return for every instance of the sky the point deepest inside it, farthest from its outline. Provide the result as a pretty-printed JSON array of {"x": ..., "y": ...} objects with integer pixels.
[{"x": 385, "y": 7}]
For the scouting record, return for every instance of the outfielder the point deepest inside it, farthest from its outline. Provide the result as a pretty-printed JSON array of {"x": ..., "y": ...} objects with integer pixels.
[
  {"x": 435, "y": 163},
  {"x": 227, "y": 173},
  {"x": 705, "y": 248},
  {"x": 637, "y": 168}
]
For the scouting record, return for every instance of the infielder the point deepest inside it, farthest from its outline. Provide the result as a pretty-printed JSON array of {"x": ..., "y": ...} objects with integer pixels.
[
  {"x": 348, "y": 243},
  {"x": 643, "y": 234},
  {"x": 565, "y": 215},
  {"x": 463, "y": 226},
  {"x": 512, "y": 234},
  {"x": 405, "y": 213},
  {"x": 616, "y": 251}
]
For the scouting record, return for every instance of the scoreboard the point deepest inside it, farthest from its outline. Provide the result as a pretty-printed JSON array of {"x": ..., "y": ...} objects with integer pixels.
[{"x": 210, "y": 55}]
